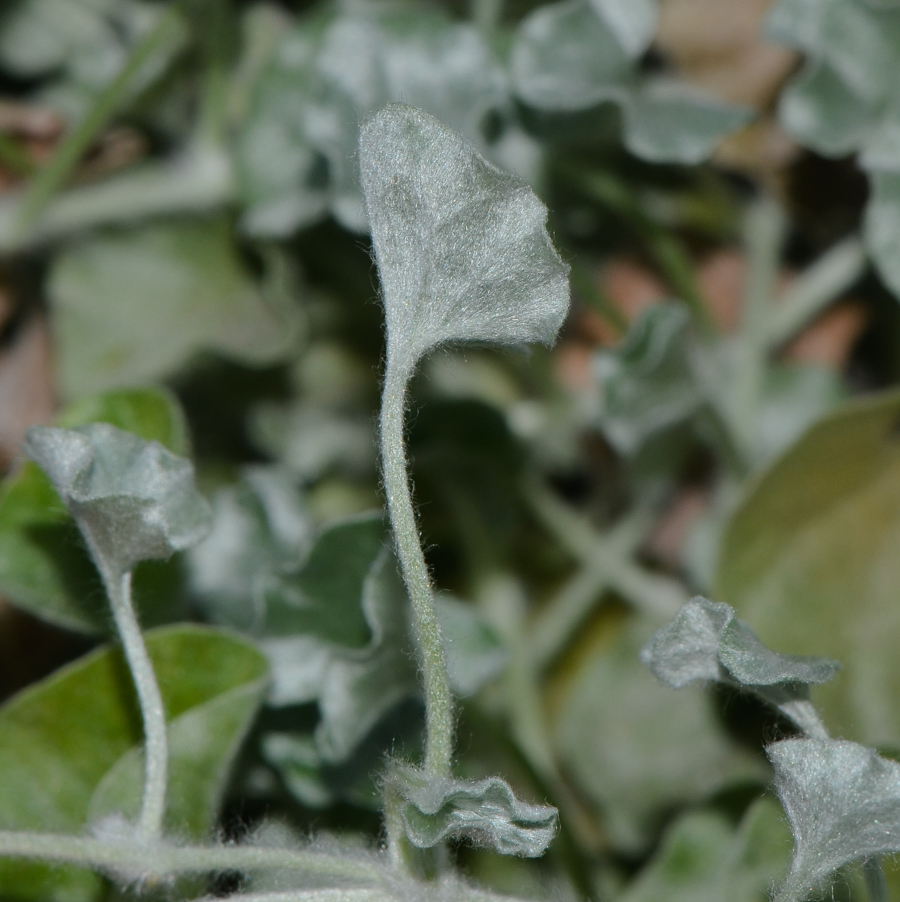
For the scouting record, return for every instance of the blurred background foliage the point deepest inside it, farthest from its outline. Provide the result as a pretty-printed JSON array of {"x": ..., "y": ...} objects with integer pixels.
[{"x": 183, "y": 253}]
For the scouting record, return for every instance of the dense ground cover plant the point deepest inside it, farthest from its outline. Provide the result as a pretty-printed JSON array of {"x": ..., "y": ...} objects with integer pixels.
[{"x": 278, "y": 672}]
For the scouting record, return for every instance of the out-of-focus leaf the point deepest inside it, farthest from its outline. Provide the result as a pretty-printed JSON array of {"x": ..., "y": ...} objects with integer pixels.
[
  {"x": 69, "y": 746},
  {"x": 703, "y": 858},
  {"x": 486, "y": 813},
  {"x": 329, "y": 74},
  {"x": 84, "y": 44},
  {"x": 882, "y": 226},
  {"x": 135, "y": 306},
  {"x": 312, "y": 439},
  {"x": 648, "y": 383},
  {"x": 43, "y": 565},
  {"x": 637, "y": 748},
  {"x": 360, "y": 687},
  {"x": 571, "y": 56},
  {"x": 846, "y": 100},
  {"x": 842, "y": 803},
  {"x": 259, "y": 528},
  {"x": 810, "y": 559},
  {"x": 462, "y": 248},
  {"x": 132, "y": 500},
  {"x": 707, "y": 643},
  {"x": 333, "y": 623},
  {"x": 633, "y": 22},
  {"x": 474, "y": 652}
]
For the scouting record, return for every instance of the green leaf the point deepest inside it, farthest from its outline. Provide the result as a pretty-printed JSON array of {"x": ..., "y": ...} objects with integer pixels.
[
  {"x": 842, "y": 801},
  {"x": 635, "y": 747},
  {"x": 485, "y": 812},
  {"x": 703, "y": 858},
  {"x": 361, "y": 687},
  {"x": 70, "y": 746},
  {"x": 132, "y": 500},
  {"x": 648, "y": 382},
  {"x": 462, "y": 249},
  {"x": 571, "y": 56},
  {"x": 706, "y": 643},
  {"x": 809, "y": 559},
  {"x": 43, "y": 565},
  {"x": 135, "y": 306}
]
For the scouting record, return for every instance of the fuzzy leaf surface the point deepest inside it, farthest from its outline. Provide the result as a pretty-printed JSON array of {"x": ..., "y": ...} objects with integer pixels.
[
  {"x": 58, "y": 767},
  {"x": 133, "y": 500},
  {"x": 842, "y": 803},
  {"x": 44, "y": 567},
  {"x": 485, "y": 812},
  {"x": 462, "y": 248},
  {"x": 707, "y": 643}
]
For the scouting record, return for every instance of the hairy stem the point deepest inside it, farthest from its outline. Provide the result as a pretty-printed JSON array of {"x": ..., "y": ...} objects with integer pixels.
[
  {"x": 438, "y": 701},
  {"x": 156, "y": 742},
  {"x": 141, "y": 859}
]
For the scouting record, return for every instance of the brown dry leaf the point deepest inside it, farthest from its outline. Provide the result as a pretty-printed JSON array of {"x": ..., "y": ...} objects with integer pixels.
[{"x": 26, "y": 385}]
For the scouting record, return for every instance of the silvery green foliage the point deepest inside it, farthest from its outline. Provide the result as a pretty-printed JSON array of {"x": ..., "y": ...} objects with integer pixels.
[
  {"x": 647, "y": 382},
  {"x": 462, "y": 248},
  {"x": 485, "y": 812},
  {"x": 260, "y": 527},
  {"x": 132, "y": 500},
  {"x": 577, "y": 54},
  {"x": 83, "y": 43},
  {"x": 847, "y": 100},
  {"x": 662, "y": 376},
  {"x": 843, "y": 804},
  {"x": 331, "y": 71},
  {"x": 707, "y": 643}
]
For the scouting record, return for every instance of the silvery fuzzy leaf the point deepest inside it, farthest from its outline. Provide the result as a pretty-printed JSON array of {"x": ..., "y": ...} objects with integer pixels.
[
  {"x": 843, "y": 804},
  {"x": 707, "y": 643},
  {"x": 133, "y": 500},
  {"x": 485, "y": 812},
  {"x": 462, "y": 248}
]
